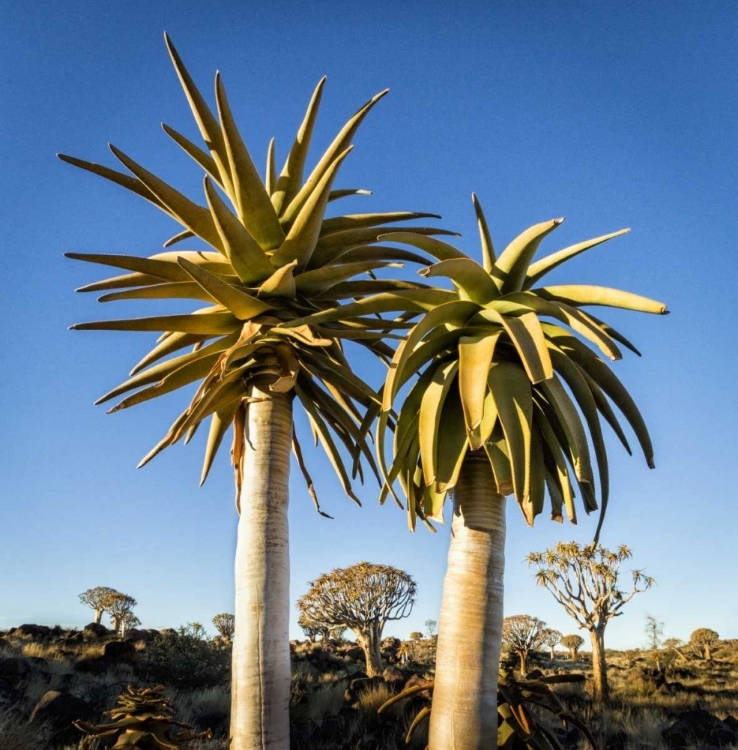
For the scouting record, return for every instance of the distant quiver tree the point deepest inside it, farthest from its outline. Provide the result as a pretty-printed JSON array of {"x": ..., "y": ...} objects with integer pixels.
[
  {"x": 704, "y": 639},
  {"x": 584, "y": 580},
  {"x": 225, "y": 624},
  {"x": 364, "y": 598},
  {"x": 100, "y": 598},
  {"x": 551, "y": 638},
  {"x": 523, "y": 634},
  {"x": 121, "y": 609},
  {"x": 127, "y": 622},
  {"x": 572, "y": 642}
]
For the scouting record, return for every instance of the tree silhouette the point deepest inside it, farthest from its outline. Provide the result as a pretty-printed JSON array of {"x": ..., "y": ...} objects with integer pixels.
[
  {"x": 523, "y": 634},
  {"x": 100, "y": 598},
  {"x": 584, "y": 580},
  {"x": 363, "y": 598}
]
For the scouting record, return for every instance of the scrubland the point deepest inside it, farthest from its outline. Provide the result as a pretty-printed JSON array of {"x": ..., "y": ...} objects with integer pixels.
[{"x": 333, "y": 704}]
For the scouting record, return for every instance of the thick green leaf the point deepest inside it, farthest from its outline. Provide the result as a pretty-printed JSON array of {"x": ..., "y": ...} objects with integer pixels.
[
  {"x": 541, "y": 267},
  {"x": 252, "y": 200},
  {"x": 511, "y": 267},
  {"x": 288, "y": 184},
  {"x": 241, "y": 304},
  {"x": 249, "y": 261}
]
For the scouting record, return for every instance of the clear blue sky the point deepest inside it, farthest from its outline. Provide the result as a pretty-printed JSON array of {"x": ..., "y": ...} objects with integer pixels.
[{"x": 611, "y": 114}]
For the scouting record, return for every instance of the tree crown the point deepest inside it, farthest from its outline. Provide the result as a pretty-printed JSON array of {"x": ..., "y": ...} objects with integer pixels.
[
  {"x": 358, "y": 596},
  {"x": 271, "y": 257},
  {"x": 584, "y": 580},
  {"x": 704, "y": 635}
]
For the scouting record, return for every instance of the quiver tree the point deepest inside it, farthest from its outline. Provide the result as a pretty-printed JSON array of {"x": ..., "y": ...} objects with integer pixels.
[
  {"x": 704, "y": 639},
  {"x": 584, "y": 580},
  {"x": 507, "y": 400},
  {"x": 654, "y": 631},
  {"x": 225, "y": 624},
  {"x": 523, "y": 634},
  {"x": 128, "y": 621},
  {"x": 551, "y": 638},
  {"x": 100, "y": 598},
  {"x": 364, "y": 598},
  {"x": 120, "y": 610},
  {"x": 260, "y": 255},
  {"x": 430, "y": 626},
  {"x": 573, "y": 642}
]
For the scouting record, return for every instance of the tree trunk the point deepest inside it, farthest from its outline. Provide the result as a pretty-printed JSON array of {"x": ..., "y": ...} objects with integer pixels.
[
  {"x": 708, "y": 651},
  {"x": 523, "y": 656},
  {"x": 98, "y": 616},
  {"x": 260, "y": 683},
  {"x": 601, "y": 689},
  {"x": 464, "y": 709},
  {"x": 369, "y": 641}
]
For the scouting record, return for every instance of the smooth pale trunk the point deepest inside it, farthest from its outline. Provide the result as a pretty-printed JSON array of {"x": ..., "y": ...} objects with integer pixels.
[
  {"x": 464, "y": 709},
  {"x": 260, "y": 686},
  {"x": 601, "y": 689},
  {"x": 98, "y": 616},
  {"x": 369, "y": 642}
]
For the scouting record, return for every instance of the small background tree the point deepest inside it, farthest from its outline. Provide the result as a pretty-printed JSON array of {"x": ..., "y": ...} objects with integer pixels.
[
  {"x": 99, "y": 599},
  {"x": 654, "y": 630},
  {"x": 430, "y": 626},
  {"x": 551, "y": 638},
  {"x": 416, "y": 635},
  {"x": 584, "y": 580},
  {"x": 225, "y": 624},
  {"x": 127, "y": 621},
  {"x": 523, "y": 634},
  {"x": 573, "y": 642},
  {"x": 363, "y": 598},
  {"x": 120, "y": 608},
  {"x": 704, "y": 639}
]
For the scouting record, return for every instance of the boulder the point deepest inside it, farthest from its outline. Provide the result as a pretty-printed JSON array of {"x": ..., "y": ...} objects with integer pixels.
[
  {"x": 95, "y": 631},
  {"x": 119, "y": 651},
  {"x": 355, "y": 653},
  {"x": 30, "y": 631},
  {"x": 699, "y": 726},
  {"x": 14, "y": 669},
  {"x": 139, "y": 636},
  {"x": 59, "y": 710},
  {"x": 393, "y": 675}
]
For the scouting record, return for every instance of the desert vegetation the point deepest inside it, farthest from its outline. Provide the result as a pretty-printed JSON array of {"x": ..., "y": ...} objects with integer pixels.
[{"x": 50, "y": 677}]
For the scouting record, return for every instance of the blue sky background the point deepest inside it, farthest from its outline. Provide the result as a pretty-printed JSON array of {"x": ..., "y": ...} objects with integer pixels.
[{"x": 611, "y": 114}]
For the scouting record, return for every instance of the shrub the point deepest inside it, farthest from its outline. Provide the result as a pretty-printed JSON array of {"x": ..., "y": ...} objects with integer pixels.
[{"x": 186, "y": 660}]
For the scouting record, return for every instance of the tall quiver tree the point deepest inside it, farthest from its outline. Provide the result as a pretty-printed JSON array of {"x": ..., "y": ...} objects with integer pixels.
[
  {"x": 584, "y": 581},
  {"x": 506, "y": 402},
  {"x": 99, "y": 599},
  {"x": 271, "y": 256},
  {"x": 364, "y": 598}
]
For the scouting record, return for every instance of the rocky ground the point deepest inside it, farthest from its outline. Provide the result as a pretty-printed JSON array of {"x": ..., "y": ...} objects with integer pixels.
[{"x": 51, "y": 676}]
